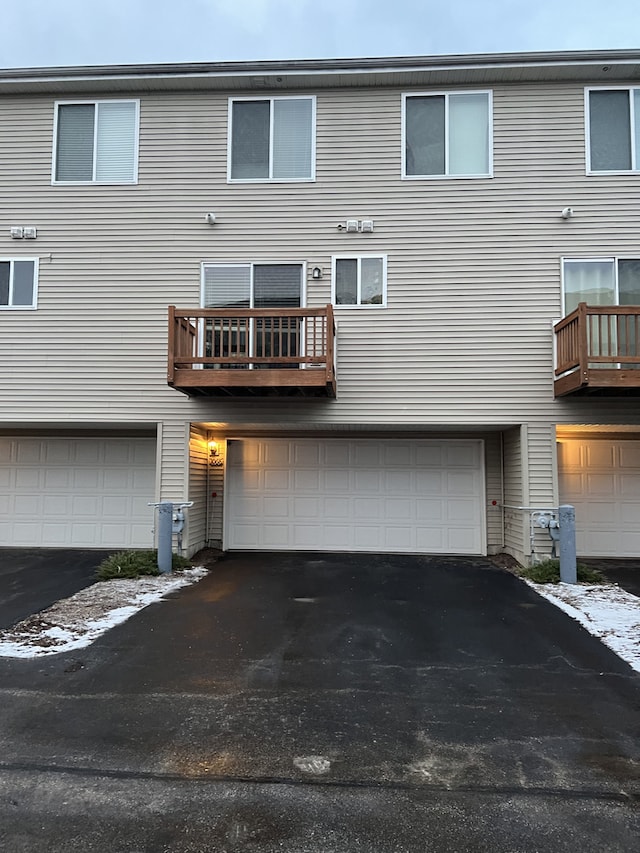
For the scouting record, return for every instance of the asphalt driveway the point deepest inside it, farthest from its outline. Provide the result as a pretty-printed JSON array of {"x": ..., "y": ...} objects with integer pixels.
[
  {"x": 312, "y": 703},
  {"x": 34, "y": 578}
]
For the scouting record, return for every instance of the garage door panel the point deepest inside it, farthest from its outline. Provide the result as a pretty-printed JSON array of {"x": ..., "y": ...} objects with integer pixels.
[
  {"x": 431, "y": 540},
  {"x": 337, "y": 454},
  {"x": 86, "y": 479},
  {"x": 114, "y": 507},
  {"x": 630, "y": 455},
  {"x": 381, "y": 496},
  {"x": 28, "y": 478},
  {"x": 463, "y": 539},
  {"x": 600, "y": 484},
  {"x": 600, "y": 455},
  {"x": 396, "y": 538},
  {"x": 78, "y": 492},
  {"x": 396, "y": 455},
  {"x": 367, "y": 481},
  {"x": 429, "y": 510},
  {"x": 335, "y": 507},
  {"x": 56, "y": 478},
  {"x": 464, "y": 511},
  {"x": 459, "y": 483},
  {"x": 429, "y": 482},
  {"x": 277, "y": 453},
  {"x": 366, "y": 454},
  {"x": 306, "y": 454},
  {"x": 628, "y": 485},
  {"x": 336, "y": 481},
  {"x": 461, "y": 457},
  {"x": 339, "y": 535},
  {"x": 397, "y": 481},
  {"x": 278, "y": 479},
  {"x": 399, "y": 508},
  {"x": 27, "y": 451},
  {"x": 54, "y": 533},
  {"x": 306, "y": 479},
  {"x": 429, "y": 456},
  {"x": 308, "y": 508}
]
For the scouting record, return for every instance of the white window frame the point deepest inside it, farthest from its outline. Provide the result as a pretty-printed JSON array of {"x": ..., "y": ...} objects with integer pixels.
[
  {"x": 446, "y": 175},
  {"x": 354, "y": 256},
  {"x": 93, "y": 181},
  {"x": 635, "y": 166},
  {"x": 34, "y": 303},
  {"x": 271, "y": 99}
]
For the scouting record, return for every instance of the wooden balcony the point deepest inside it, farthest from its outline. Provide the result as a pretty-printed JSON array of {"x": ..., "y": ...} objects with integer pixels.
[
  {"x": 598, "y": 351},
  {"x": 245, "y": 352}
]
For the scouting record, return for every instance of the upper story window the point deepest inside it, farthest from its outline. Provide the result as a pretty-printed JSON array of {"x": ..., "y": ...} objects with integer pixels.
[
  {"x": 600, "y": 281},
  {"x": 359, "y": 280},
  {"x": 272, "y": 139},
  {"x": 18, "y": 282},
  {"x": 96, "y": 142},
  {"x": 613, "y": 130},
  {"x": 447, "y": 135}
]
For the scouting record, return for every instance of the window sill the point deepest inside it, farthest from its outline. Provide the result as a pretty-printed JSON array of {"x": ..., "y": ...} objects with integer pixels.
[{"x": 446, "y": 177}]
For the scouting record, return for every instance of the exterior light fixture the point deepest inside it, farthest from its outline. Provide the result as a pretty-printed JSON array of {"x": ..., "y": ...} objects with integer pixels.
[
  {"x": 316, "y": 273},
  {"x": 214, "y": 453}
]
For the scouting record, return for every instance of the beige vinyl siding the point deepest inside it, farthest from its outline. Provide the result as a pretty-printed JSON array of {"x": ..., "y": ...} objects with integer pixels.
[
  {"x": 493, "y": 480},
  {"x": 473, "y": 264},
  {"x": 215, "y": 505},
  {"x": 175, "y": 462},
  {"x": 543, "y": 480},
  {"x": 198, "y": 490},
  {"x": 516, "y": 522}
]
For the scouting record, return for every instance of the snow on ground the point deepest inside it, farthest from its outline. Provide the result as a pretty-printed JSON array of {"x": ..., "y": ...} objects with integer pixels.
[
  {"x": 607, "y": 612},
  {"x": 75, "y": 622}
]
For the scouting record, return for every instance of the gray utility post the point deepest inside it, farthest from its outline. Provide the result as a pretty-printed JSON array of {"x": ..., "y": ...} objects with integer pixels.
[
  {"x": 568, "y": 564},
  {"x": 165, "y": 536}
]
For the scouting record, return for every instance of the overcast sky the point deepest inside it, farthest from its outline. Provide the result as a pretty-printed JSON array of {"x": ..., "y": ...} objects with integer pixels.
[{"x": 95, "y": 32}]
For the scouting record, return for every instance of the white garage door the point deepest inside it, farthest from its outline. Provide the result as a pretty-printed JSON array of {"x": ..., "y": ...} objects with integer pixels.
[
  {"x": 601, "y": 478},
  {"x": 78, "y": 492},
  {"x": 356, "y": 495}
]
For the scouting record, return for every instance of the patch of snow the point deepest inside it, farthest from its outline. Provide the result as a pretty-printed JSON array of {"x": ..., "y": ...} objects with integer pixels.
[
  {"x": 75, "y": 622},
  {"x": 607, "y": 612}
]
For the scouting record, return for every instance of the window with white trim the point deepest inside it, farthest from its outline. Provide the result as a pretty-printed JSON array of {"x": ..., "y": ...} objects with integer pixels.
[
  {"x": 447, "y": 134},
  {"x": 18, "y": 282},
  {"x": 272, "y": 139},
  {"x": 600, "y": 281},
  {"x": 359, "y": 280},
  {"x": 613, "y": 130},
  {"x": 96, "y": 142}
]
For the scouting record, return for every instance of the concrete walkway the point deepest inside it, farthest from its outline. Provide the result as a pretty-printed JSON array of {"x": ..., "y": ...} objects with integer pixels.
[{"x": 317, "y": 703}]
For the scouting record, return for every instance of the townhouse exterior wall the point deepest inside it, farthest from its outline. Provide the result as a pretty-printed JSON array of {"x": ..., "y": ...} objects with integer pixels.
[{"x": 473, "y": 278}]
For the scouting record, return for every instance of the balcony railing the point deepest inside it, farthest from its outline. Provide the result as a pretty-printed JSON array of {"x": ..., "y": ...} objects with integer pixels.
[
  {"x": 598, "y": 349},
  {"x": 252, "y": 351}
]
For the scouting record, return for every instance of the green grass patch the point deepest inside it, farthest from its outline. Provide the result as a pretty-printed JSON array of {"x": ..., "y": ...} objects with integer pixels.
[
  {"x": 135, "y": 564},
  {"x": 549, "y": 572}
]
